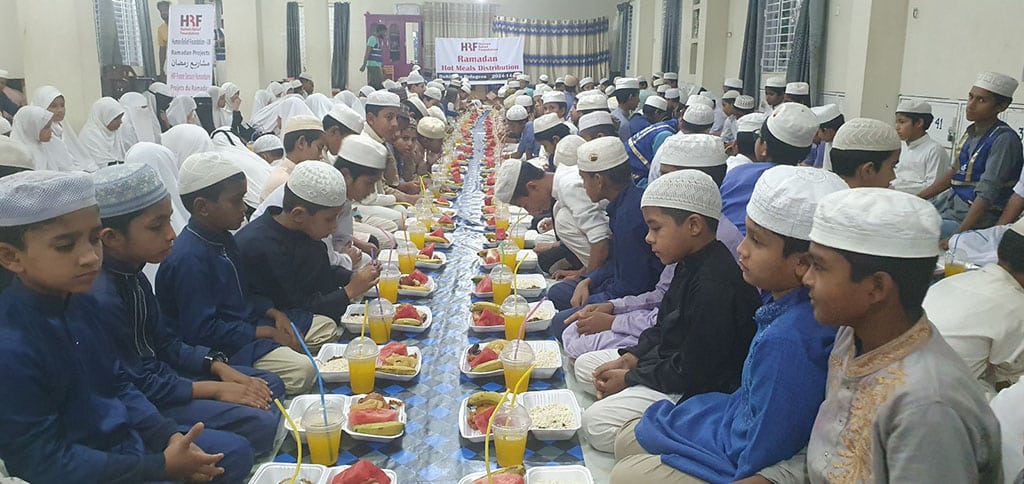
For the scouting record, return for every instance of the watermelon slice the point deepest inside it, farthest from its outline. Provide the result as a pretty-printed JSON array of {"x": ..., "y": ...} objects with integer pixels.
[
  {"x": 442, "y": 200},
  {"x": 392, "y": 348},
  {"x": 492, "y": 257},
  {"x": 407, "y": 311},
  {"x": 485, "y": 355},
  {"x": 490, "y": 318},
  {"x": 428, "y": 251},
  {"x": 420, "y": 277},
  {"x": 483, "y": 415},
  {"x": 379, "y": 415},
  {"x": 457, "y": 177},
  {"x": 501, "y": 479},
  {"x": 444, "y": 219},
  {"x": 438, "y": 233},
  {"x": 485, "y": 285},
  {"x": 362, "y": 472}
]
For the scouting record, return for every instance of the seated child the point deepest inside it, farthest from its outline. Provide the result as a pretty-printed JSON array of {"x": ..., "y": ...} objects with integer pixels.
[
  {"x": 901, "y": 406},
  {"x": 187, "y": 383},
  {"x": 720, "y": 437},
  {"x": 865, "y": 152},
  {"x": 202, "y": 284},
  {"x": 284, "y": 246},
  {"x": 70, "y": 413},
  {"x": 704, "y": 322},
  {"x": 922, "y": 159}
]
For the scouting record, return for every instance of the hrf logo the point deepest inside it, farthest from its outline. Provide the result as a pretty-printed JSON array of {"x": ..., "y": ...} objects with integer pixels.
[
  {"x": 191, "y": 20},
  {"x": 471, "y": 46}
]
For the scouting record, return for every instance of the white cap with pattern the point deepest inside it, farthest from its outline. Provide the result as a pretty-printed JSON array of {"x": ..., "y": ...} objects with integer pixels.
[
  {"x": 205, "y": 169},
  {"x": 524, "y": 101},
  {"x": 748, "y": 123},
  {"x": 364, "y": 151},
  {"x": 775, "y": 82},
  {"x": 546, "y": 122},
  {"x": 866, "y": 134},
  {"x": 691, "y": 151},
  {"x": 784, "y": 198},
  {"x": 506, "y": 179},
  {"x": 601, "y": 154},
  {"x": 688, "y": 190},
  {"x": 914, "y": 106},
  {"x": 516, "y": 113},
  {"x": 744, "y": 102},
  {"x": 657, "y": 102},
  {"x": 384, "y": 99},
  {"x": 1001, "y": 84},
  {"x": 793, "y": 124},
  {"x": 123, "y": 189},
  {"x": 878, "y": 222},
  {"x": 35, "y": 196},
  {"x": 565, "y": 152},
  {"x": 318, "y": 182},
  {"x": 591, "y": 102},
  {"x": 267, "y": 142},
  {"x": 431, "y": 128},
  {"x": 730, "y": 94},
  {"x": 596, "y": 118},
  {"x": 699, "y": 115}
]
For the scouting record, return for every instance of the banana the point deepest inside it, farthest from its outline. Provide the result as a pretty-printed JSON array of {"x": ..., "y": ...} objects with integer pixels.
[
  {"x": 493, "y": 365},
  {"x": 408, "y": 322},
  {"x": 484, "y": 398},
  {"x": 497, "y": 345},
  {"x": 414, "y": 288},
  {"x": 397, "y": 369},
  {"x": 436, "y": 240},
  {"x": 384, "y": 429},
  {"x": 424, "y": 259},
  {"x": 481, "y": 305}
]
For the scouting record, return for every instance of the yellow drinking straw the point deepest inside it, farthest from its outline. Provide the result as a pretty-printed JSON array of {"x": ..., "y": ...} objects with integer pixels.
[
  {"x": 515, "y": 272},
  {"x": 298, "y": 439},
  {"x": 490, "y": 422},
  {"x": 366, "y": 316}
]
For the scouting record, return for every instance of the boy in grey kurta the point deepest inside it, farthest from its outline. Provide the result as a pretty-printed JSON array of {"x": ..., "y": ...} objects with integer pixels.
[{"x": 900, "y": 405}]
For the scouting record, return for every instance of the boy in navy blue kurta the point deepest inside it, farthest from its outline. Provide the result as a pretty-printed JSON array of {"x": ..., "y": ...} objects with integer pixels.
[
  {"x": 71, "y": 415},
  {"x": 187, "y": 383}
]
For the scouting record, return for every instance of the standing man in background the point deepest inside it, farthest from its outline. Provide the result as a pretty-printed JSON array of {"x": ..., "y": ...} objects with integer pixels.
[
  {"x": 161, "y": 35},
  {"x": 373, "y": 59}
]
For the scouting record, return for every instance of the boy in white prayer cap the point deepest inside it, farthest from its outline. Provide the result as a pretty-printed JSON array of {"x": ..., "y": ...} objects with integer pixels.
[
  {"x": 703, "y": 325},
  {"x": 284, "y": 245},
  {"x": 75, "y": 415},
  {"x": 655, "y": 110},
  {"x": 774, "y": 92},
  {"x": 864, "y": 153},
  {"x": 893, "y": 382},
  {"x": 722, "y": 437},
  {"x": 627, "y": 95},
  {"x": 301, "y": 141},
  {"x": 225, "y": 316},
  {"x": 922, "y": 159},
  {"x": 269, "y": 147},
  {"x": 988, "y": 160}
]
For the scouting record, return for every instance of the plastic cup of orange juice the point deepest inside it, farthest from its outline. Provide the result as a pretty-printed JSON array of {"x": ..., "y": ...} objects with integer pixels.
[
  {"x": 516, "y": 359},
  {"x": 510, "y": 426},
  {"x": 380, "y": 316},
  {"x": 361, "y": 354}
]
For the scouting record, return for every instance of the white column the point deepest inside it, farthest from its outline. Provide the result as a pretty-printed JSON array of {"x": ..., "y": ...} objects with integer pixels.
[
  {"x": 875, "y": 57},
  {"x": 318, "y": 44},
  {"x": 243, "y": 49}
]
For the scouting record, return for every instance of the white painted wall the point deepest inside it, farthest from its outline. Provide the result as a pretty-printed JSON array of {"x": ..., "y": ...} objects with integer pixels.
[{"x": 10, "y": 38}]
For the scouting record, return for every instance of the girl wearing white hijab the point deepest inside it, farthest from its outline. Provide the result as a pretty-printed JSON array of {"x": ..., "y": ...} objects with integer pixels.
[
  {"x": 224, "y": 106},
  {"x": 162, "y": 161},
  {"x": 255, "y": 168},
  {"x": 160, "y": 97},
  {"x": 51, "y": 99},
  {"x": 101, "y": 133},
  {"x": 186, "y": 140},
  {"x": 319, "y": 104},
  {"x": 140, "y": 122},
  {"x": 349, "y": 99},
  {"x": 272, "y": 118},
  {"x": 5, "y": 127},
  {"x": 33, "y": 128},
  {"x": 182, "y": 111}
]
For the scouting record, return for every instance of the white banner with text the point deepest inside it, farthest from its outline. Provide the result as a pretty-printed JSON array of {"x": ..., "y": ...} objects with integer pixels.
[
  {"x": 191, "y": 47},
  {"x": 481, "y": 60}
]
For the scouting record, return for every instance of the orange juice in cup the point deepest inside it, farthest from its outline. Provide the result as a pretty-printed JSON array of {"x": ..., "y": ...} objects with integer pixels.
[
  {"x": 380, "y": 317},
  {"x": 417, "y": 234},
  {"x": 406, "y": 258},
  {"x": 516, "y": 359},
  {"x": 388, "y": 283},
  {"x": 518, "y": 235},
  {"x": 361, "y": 354},
  {"x": 501, "y": 217},
  {"x": 509, "y": 252},
  {"x": 955, "y": 262},
  {"x": 501, "y": 281},
  {"x": 510, "y": 428},
  {"x": 323, "y": 438}
]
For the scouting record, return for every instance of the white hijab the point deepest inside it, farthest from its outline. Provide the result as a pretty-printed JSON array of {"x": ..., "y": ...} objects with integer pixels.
[
  {"x": 319, "y": 104},
  {"x": 261, "y": 100},
  {"x": 43, "y": 96},
  {"x": 52, "y": 155},
  {"x": 140, "y": 123},
  {"x": 266, "y": 120},
  {"x": 181, "y": 111},
  {"x": 105, "y": 146},
  {"x": 185, "y": 140},
  {"x": 227, "y": 91},
  {"x": 351, "y": 100},
  {"x": 256, "y": 169},
  {"x": 163, "y": 161}
]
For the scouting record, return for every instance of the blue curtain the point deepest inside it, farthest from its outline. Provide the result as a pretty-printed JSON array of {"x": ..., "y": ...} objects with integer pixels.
[
  {"x": 753, "y": 46},
  {"x": 670, "y": 35},
  {"x": 146, "y": 33},
  {"x": 294, "y": 52},
  {"x": 808, "y": 46},
  {"x": 339, "y": 62}
]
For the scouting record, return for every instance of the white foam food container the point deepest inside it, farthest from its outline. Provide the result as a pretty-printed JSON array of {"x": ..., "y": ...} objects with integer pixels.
[
  {"x": 374, "y": 438},
  {"x": 331, "y": 350},
  {"x": 431, "y": 286},
  {"x": 540, "y": 373},
  {"x": 275, "y": 472},
  {"x": 530, "y": 286},
  {"x": 559, "y": 474},
  {"x": 546, "y": 397},
  {"x": 301, "y": 403},
  {"x": 400, "y": 235},
  {"x": 352, "y": 320},
  {"x": 474, "y": 476},
  {"x": 331, "y": 472},
  {"x": 526, "y": 258},
  {"x": 390, "y": 253},
  {"x": 540, "y": 321}
]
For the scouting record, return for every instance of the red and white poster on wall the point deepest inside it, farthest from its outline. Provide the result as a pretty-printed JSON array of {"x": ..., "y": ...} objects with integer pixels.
[
  {"x": 191, "y": 45},
  {"x": 481, "y": 60}
]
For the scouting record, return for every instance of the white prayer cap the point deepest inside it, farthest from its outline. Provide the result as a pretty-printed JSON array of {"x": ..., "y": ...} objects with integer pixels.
[
  {"x": 601, "y": 154},
  {"x": 565, "y": 151},
  {"x": 866, "y": 134},
  {"x": 688, "y": 190},
  {"x": 878, "y": 222},
  {"x": 541, "y": 90},
  {"x": 798, "y": 89},
  {"x": 14, "y": 155},
  {"x": 744, "y": 102},
  {"x": 663, "y": 89},
  {"x": 609, "y": 90},
  {"x": 672, "y": 93},
  {"x": 306, "y": 76},
  {"x": 436, "y": 84},
  {"x": 384, "y": 99},
  {"x": 506, "y": 179},
  {"x": 543, "y": 78},
  {"x": 553, "y": 97},
  {"x": 502, "y": 91},
  {"x": 591, "y": 102},
  {"x": 560, "y": 80},
  {"x": 793, "y": 124},
  {"x": 691, "y": 151},
  {"x": 513, "y": 85},
  {"x": 30, "y": 197},
  {"x": 627, "y": 83},
  {"x": 658, "y": 75},
  {"x": 995, "y": 82},
  {"x": 657, "y": 102},
  {"x": 466, "y": 89},
  {"x": 671, "y": 76},
  {"x": 525, "y": 101},
  {"x": 571, "y": 80},
  {"x": 733, "y": 83},
  {"x": 638, "y": 78},
  {"x": 319, "y": 183},
  {"x": 695, "y": 99},
  {"x": 364, "y": 151},
  {"x": 433, "y": 93},
  {"x": 546, "y": 122},
  {"x": 366, "y": 90},
  {"x": 123, "y": 189},
  {"x": 699, "y": 115},
  {"x": 748, "y": 123},
  {"x": 436, "y": 112},
  {"x": 403, "y": 80},
  {"x": 784, "y": 198},
  {"x": 525, "y": 78},
  {"x": 389, "y": 84},
  {"x": 267, "y": 142},
  {"x": 302, "y": 122},
  {"x": 348, "y": 117},
  {"x": 516, "y": 113},
  {"x": 596, "y": 118},
  {"x": 730, "y": 94},
  {"x": 776, "y": 82},
  {"x": 294, "y": 83},
  {"x": 915, "y": 106},
  {"x": 826, "y": 113},
  {"x": 5, "y": 126},
  {"x": 415, "y": 78},
  {"x": 205, "y": 169},
  {"x": 431, "y": 128},
  {"x": 1018, "y": 226},
  {"x": 656, "y": 83},
  {"x": 586, "y": 80}
]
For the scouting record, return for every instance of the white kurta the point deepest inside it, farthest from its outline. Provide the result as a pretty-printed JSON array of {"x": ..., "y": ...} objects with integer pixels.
[
  {"x": 579, "y": 222},
  {"x": 981, "y": 315},
  {"x": 921, "y": 162},
  {"x": 736, "y": 160},
  {"x": 904, "y": 412},
  {"x": 1007, "y": 406}
]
